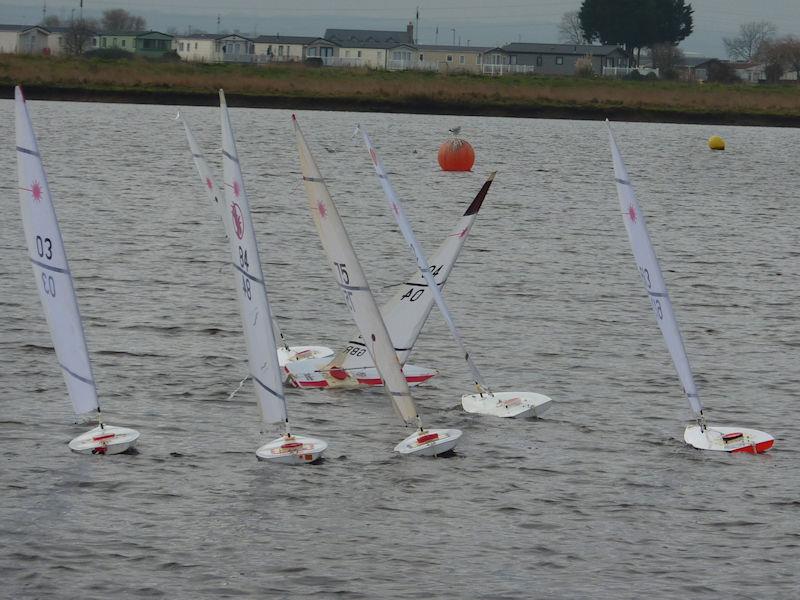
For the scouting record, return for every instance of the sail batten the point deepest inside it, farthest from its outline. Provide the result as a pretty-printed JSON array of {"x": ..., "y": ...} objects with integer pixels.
[
  {"x": 422, "y": 262},
  {"x": 353, "y": 283},
  {"x": 251, "y": 289},
  {"x": 651, "y": 275},
  {"x": 50, "y": 266}
]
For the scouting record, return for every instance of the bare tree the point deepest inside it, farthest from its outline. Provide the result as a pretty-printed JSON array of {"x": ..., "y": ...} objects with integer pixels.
[
  {"x": 78, "y": 35},
  {"x": 667, "y": 58},
  {"x": 569, "y": 30},
  {"x": 782, "y": 55},
  {"x": 117, "y": 20},
  {"x": 751, "y": 36}
]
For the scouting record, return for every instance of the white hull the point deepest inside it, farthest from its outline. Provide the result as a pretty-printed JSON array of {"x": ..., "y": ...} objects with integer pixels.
[
  {"x": 506, "y": 404},
  {"x": 430, "y": 442},
  {"x": 104, "y": 440},
  {"x": 312, "y": 375},
  {"x": 725, "y": 439},
  {"x": 296, "y": 353},
  {"x": 297, "y": 450}
]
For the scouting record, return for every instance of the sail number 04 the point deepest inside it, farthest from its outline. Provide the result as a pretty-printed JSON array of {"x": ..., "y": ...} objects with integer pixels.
[{"x": 412, "y": 295}]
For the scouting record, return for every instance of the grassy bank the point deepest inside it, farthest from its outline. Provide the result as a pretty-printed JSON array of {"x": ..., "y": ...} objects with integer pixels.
[{"x": 296, "y": 86}]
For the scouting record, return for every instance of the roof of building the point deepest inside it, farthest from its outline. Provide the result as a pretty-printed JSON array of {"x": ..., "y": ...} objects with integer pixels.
[
  {"x": 593, "y": 49},
  {"x": 373, "y": 45},
  {"x": 285, "y": 39},
  {"x": 53, "y": 29},
  {"x": 211, "y": 36},
  {"x": 368, "y": 35},
  {"x": 133, "y": 33},
  {"x": 444, "y": 48}
]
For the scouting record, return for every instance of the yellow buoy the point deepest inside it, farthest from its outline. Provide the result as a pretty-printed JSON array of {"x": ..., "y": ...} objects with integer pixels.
[{"x": 716, "y": 143}]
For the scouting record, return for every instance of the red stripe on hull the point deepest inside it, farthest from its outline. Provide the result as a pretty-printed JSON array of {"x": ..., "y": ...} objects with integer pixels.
[
  {"x": 312, "y": 384},
  {"x": 409, "y": 379},
  {"x": 759, "y": 448}
]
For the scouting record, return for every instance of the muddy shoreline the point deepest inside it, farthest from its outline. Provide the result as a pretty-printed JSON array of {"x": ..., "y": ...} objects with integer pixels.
[{"x": 421, "y": 106}]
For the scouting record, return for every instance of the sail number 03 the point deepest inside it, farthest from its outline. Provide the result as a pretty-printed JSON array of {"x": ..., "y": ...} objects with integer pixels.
[{"x": 44, "y": 248}]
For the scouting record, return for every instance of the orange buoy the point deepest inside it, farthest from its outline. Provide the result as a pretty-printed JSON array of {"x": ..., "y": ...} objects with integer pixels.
[{"x": 456, "y": 154}]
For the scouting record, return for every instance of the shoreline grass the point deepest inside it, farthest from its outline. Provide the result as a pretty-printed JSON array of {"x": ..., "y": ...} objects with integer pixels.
[{"x": 398, "y": 91}]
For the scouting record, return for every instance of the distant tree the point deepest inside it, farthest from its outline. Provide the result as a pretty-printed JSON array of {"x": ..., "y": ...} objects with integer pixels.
[
  {"x": 782, "y": 55},
  {"x": 752, "y": 36},
  {"x": 569, "y": 30},
  {"x": 78, "y": 35},
  {"x": 51, "y": 21},
  {"x": 667, "y": 58},
  {"x": 722, "y": 72},
  {"x": 117, "y": 20},
  {"x": 636, "y": 24}
]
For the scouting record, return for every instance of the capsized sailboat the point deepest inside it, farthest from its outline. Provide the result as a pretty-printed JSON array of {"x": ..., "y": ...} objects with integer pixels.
[
  {"x": 54, "y": 280},
  {"x": 485, "y": 401},
  {"x": 256, "y": 316},
  {"x": 404, "y": 316},
  {"x": 361, "y": 303},
  {"x": 286, "y": 353},
  {"x": 699, "y": 434}
]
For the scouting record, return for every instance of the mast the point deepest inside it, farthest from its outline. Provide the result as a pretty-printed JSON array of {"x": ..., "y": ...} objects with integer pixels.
[
  {"x": 653, "y": 279},
  {"x": 50, "y": 266},
  {"x": 422, "y": 261}
]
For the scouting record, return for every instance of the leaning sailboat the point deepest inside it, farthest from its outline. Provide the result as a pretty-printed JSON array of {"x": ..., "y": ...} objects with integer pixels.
[
  {"x": 485, "y": 401},
  {"x": 361, "y": 303},
  {"x": 698, "y": 434},
  {"x": 404, "y": 315},
  {"x": 54, "y": 280},
  {"x": 256, "y": 315}
]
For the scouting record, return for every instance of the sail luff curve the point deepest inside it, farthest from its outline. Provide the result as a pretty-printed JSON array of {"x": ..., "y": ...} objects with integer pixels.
[
  {"x": 50, "y": 266},
  {"x": 652, "y": 277}
]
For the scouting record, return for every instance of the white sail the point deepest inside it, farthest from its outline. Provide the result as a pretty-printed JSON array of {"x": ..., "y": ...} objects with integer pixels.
[
  {"x": 422, "y": 262},
  {"x": 651, "y": 275},
  {"x": 215, "y": 197},
  {"x": 50, "y": 267},
  {"x": 408, "y": 309},
  {"x": 249, "y": 281},
  {"x": 209, "y": 184},
  {"x": 353, "y": 283}
]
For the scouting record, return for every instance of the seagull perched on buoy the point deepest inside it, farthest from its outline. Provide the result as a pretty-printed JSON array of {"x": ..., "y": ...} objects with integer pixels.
[{"x": 455, "y": 130}]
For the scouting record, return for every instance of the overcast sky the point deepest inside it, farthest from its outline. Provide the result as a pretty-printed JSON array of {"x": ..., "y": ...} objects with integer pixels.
[{"x": 476, "y": 22}]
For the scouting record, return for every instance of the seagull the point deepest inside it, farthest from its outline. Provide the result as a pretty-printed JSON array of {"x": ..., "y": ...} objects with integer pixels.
[{"x": 455, "y": 130}]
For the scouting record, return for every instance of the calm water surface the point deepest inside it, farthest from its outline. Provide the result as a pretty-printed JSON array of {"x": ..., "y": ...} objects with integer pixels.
[{"x": 600, "y": 499}]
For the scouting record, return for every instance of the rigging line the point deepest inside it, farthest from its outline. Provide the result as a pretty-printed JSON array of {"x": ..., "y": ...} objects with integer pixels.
[{"x": 241, "y": 384}]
